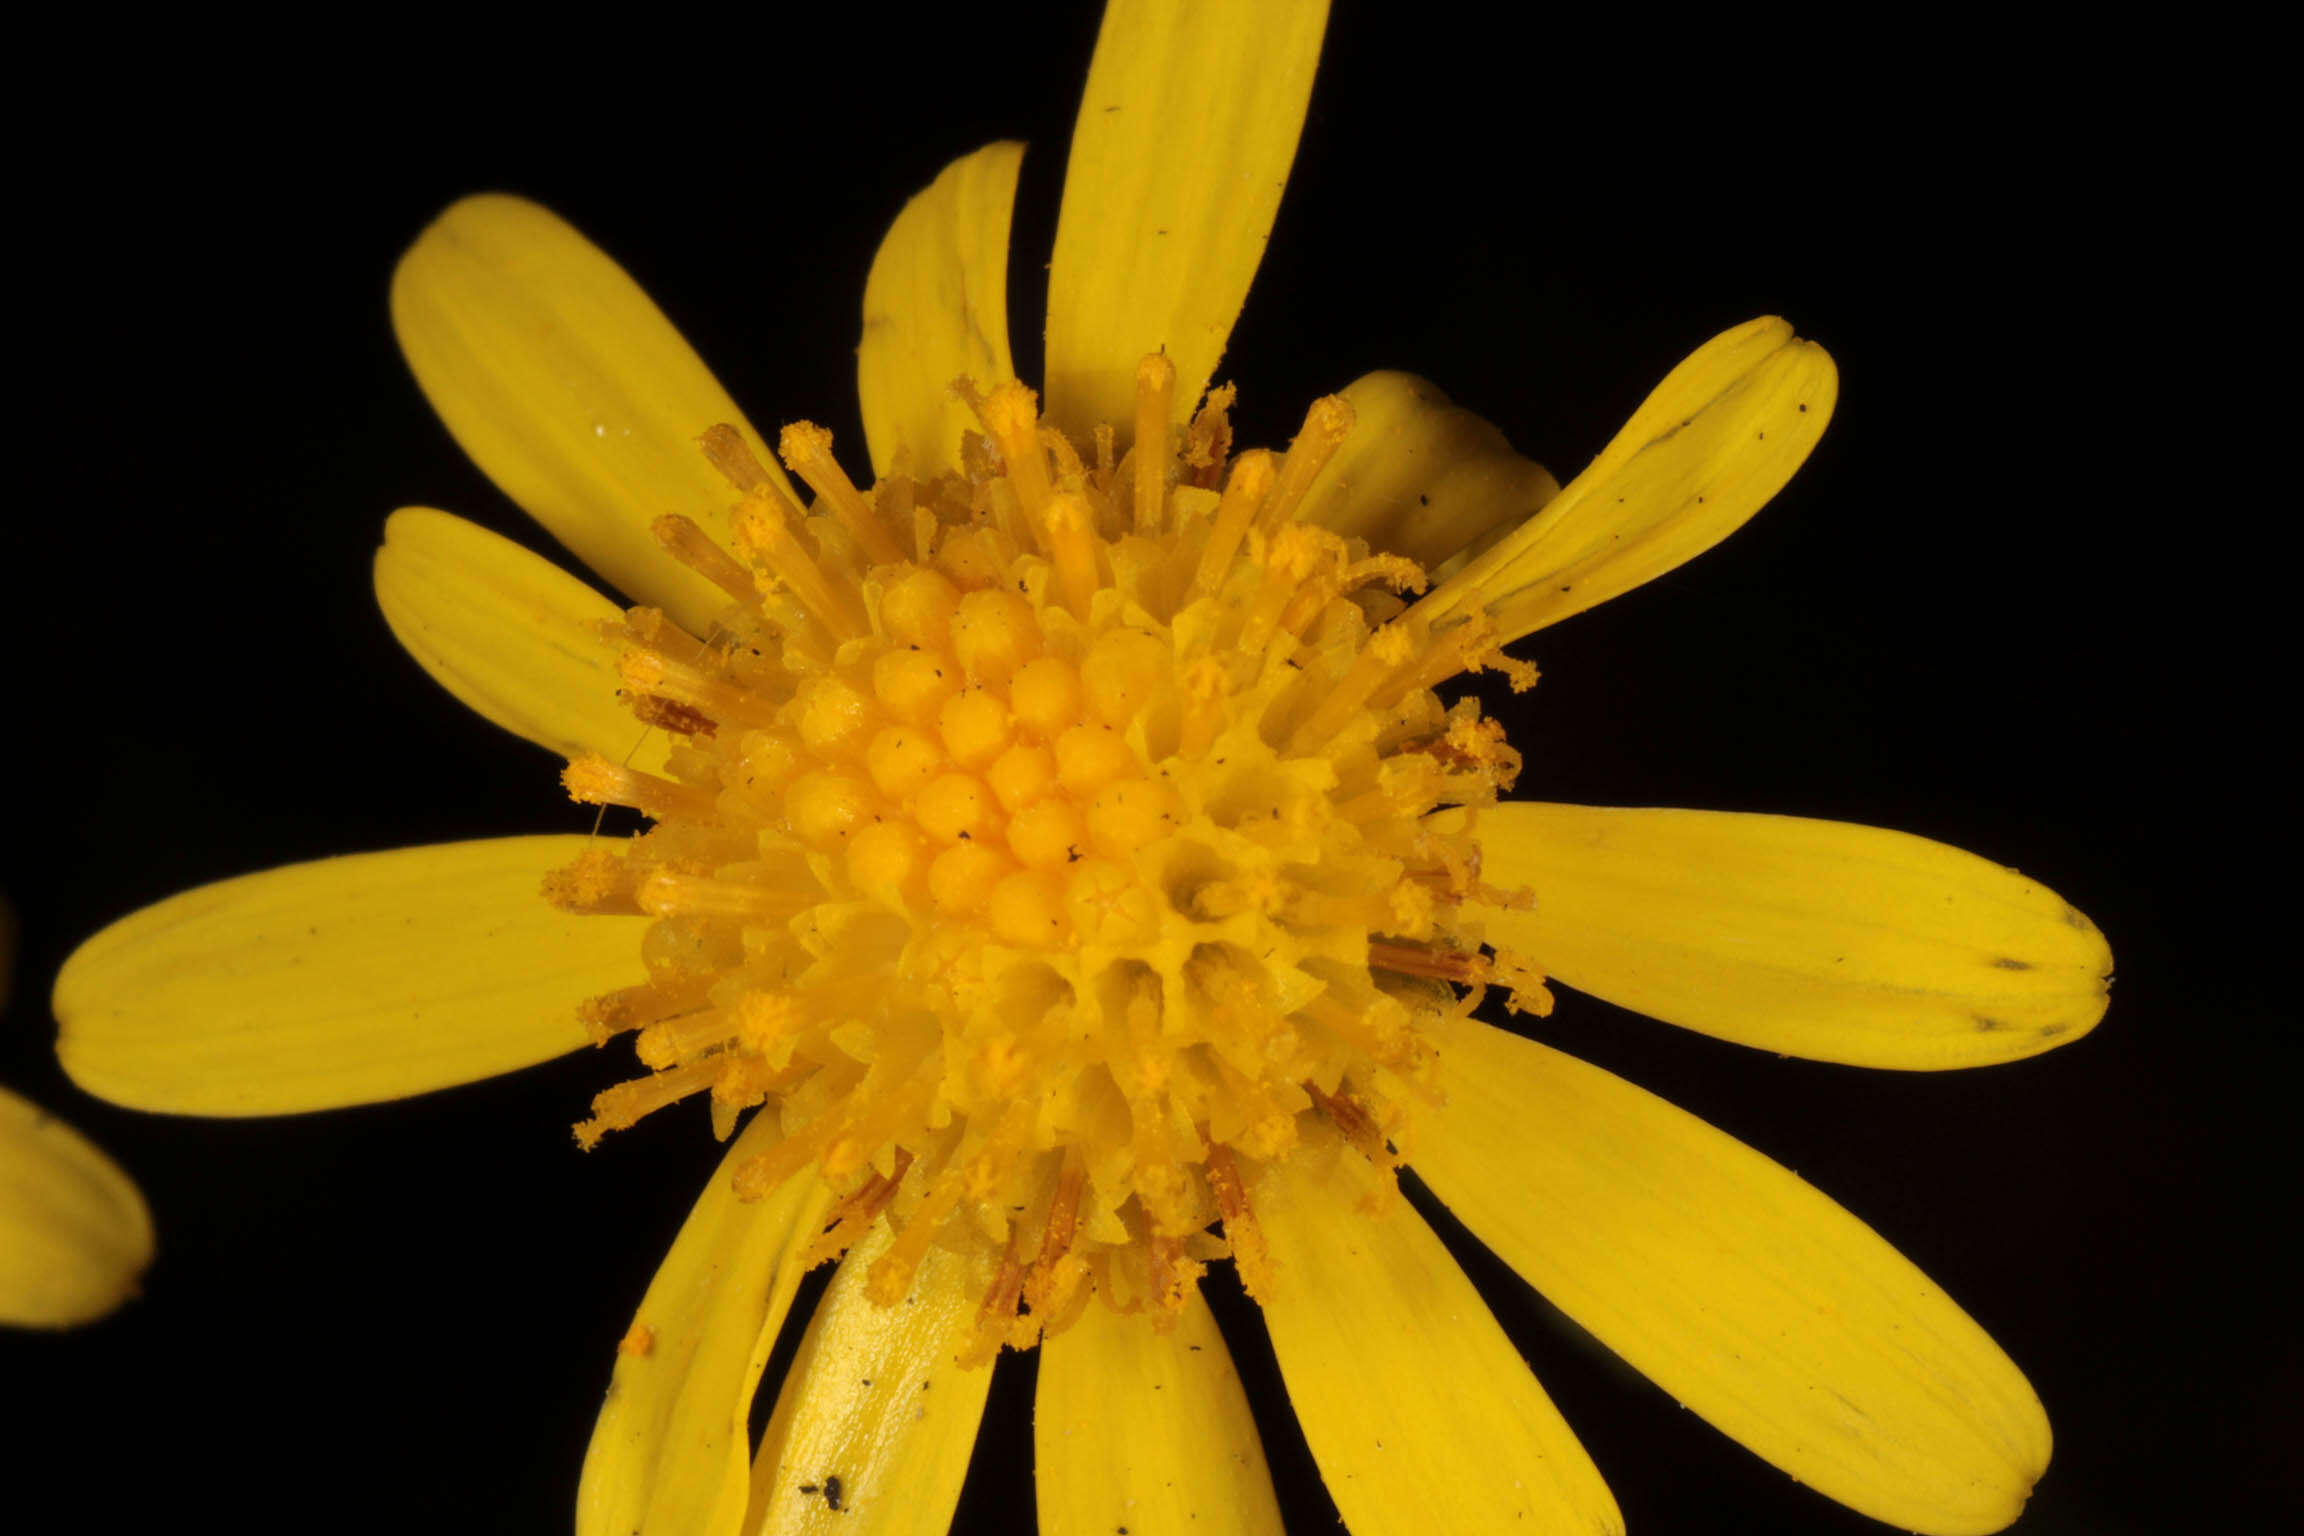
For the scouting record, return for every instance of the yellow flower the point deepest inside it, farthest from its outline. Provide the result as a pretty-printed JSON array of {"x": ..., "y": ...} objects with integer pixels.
[
  {"x": 1059, "y": 842},
  {"x": 74, "y": 1231}
]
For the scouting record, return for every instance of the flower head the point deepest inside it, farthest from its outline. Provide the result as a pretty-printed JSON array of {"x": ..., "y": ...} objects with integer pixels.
[{"x": 1060, "y": 847}]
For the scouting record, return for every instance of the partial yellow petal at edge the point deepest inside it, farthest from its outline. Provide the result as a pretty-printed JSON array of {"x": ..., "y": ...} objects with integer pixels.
[
  {"x": 1755, "y": 1301},
  {"x": 342, "y": 981},
  {"x": 74, "y": 1231},
  {"x": 1707, "y": 449},
  {"x": 1148, "y": 1431},
  {"x": 1186, "y": 132},
  {"x": 508, "y": 633},
  {"x": 936, "y": 310},
  {"x": 570, "y": 389},
  {"x": 671, "y": 1447},
  {"x": 1422, "y": 1415},
  {"x": 1811, "y": 938},
  {"x": 874, "y": 1400},
  {"x": 1419, "y": 477}
]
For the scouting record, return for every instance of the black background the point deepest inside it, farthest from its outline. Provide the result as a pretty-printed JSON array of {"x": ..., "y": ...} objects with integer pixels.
[{"x": 2004, "y": 605}]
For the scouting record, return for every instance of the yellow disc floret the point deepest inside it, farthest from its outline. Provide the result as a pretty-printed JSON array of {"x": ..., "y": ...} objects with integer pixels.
[{"x": 1041, "y": 842}]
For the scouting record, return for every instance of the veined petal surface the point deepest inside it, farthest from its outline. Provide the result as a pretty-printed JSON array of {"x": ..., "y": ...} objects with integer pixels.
[
  {"x": 1420, "y": 477},
  {"x": 1132, "y": 1428},
  {"x": 508, "y": 633},
  {"x": 936, "y": 310},
  {"x": 74, "y": 1231},
  {"x": 1422, "y": 1415},
  {"x": 1810, "y": 938},
  {"x": 672, "y": 1445},
  {"x": 341, "y": 981},
  {"x": 1751, "y": 1298},
  {"x": 1182, "y": 148},
  {"x": 1707, "y": 449},
  {"x": 570, "y": 389},
  {"x": 875, "y": 1422}
]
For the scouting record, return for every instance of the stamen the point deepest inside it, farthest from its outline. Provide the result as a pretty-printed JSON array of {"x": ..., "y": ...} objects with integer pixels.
[
  {"x": 1240, "y": 1228},
  {"x": 593, "y": 780},
  {"x": 806, "y": 449},
  {"x": 612, "y": 1013},
  {"x": 725, "y": 449},
  {"x": 1291, "y": 558},
  {"x": 1058, "y": 1271},
  {"x": 654, "y": 673},
  {"x": 669, "y": 893},
  {"x": 1203, "y": 706},
  {"x": 598, "y": 881},
  {"x": 1155, "y": 389},
  {"x": 626, "y": 1104},
  {"x": 693, "y": 547},
  {"x": 1326, "y": 425},
  {"x": 665, "y": 715},
  {"x": 1072, "y": 538},
  {"x": 1252, "y": 476},
  {"x": 1388, "y": 649},
  {"x": 764, "y": 537},
  {"x": 847, "y": 1221},
  {"x": 1463, "y": 967},
  {"x": 1011, "y": 417}
]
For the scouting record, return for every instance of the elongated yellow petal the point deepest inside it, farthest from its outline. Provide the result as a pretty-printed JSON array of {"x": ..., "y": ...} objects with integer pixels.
[
  {"x": 1722, "y": 434},
  {"x": 1420, "y": 477},
  {"x": 672, "y": 1445},
  {"x": 1148, "y": 1432},
  {"x": 1752, "y": 1299},
  {"x": 936, "y": 310},
  {"x": 74, "y": 1232},
  {"x": 507, "y": 632},
  {"x": 1809, "y": 938},
  {"x": 570, "y": 389},
  {"x": 1422, "y": 1415},
  {"x": 342, "y": 981},
  {"x": 875, "y": 1423},
  {"x": 1183, "y": 144}
]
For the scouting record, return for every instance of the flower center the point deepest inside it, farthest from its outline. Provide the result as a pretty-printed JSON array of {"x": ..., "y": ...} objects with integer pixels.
[{"x": 1042, "y": 842}]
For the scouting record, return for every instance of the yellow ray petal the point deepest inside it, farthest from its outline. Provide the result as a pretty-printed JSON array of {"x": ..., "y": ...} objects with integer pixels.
[
  {"x": 1185, "y": 135},
  {"x": 507, "y": 632},
  {"x": 671, "y": 1447},
  {"x": 875, "y": 1423},
  {"x": 1810, "y": 938},
  {"x": 74, "y": 1233},
  {"x": 342, "y": 981},
  {"x": 1733, "y": 1285},
  {"x": 936, "y": 310},
  {"x": 1722, "y": 434},
  {"x": 1420, "y": 477},
  {"x": 570, "y": 389},
  {"x": 1148, "y": 1432},
  {"x": 1422, "y": 1415}
]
